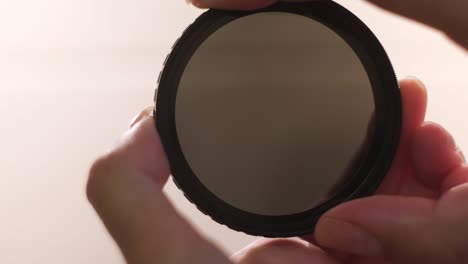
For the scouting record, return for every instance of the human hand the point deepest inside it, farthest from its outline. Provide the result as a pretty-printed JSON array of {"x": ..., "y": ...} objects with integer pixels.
[
  {"x": 420, "y": 218},
  {"x": 449, "y": 16},
  {"x": 419, "y": 214}
]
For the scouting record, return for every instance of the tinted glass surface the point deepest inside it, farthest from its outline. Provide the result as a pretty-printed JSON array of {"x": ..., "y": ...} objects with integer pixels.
[{"x": 273, "y": 113}]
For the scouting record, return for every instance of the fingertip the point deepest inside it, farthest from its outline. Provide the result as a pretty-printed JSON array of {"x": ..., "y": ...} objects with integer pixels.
[
  {"x": 457, "y": 177},
  {"x": 436, "y": 131},
  {"x": 375, "y": 226},
  {"x": 146, "y": 151},
  {"x": 283, "y": 251},
  {"x": 434, "y": 154},
  {"x": 147, "y": 112},
  {"x": 414, "y": 103},
  {"x": 100, "y": 168},
  {"x": 347, "y": 237},
  {"x": 415, "y": 83}
]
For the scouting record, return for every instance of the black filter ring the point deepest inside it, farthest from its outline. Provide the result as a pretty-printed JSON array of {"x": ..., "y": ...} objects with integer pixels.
[{"x": 387, "y": 117}]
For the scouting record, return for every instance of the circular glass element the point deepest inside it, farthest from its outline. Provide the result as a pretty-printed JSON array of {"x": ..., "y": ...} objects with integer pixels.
[
  {"x": 272, "y": 111},
  {"x": 270, "y": 118}
]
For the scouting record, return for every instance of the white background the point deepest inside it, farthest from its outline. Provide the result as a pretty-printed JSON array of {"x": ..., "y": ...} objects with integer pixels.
[{"x": 72, "y": 75}]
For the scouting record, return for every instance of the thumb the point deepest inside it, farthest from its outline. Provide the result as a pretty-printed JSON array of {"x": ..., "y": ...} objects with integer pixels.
[
  {"x": 124, "y": 186},
  {"x": 399, "y": 229}
]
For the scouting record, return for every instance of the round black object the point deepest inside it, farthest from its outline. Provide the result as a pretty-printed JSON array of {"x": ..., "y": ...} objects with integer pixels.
[{"x": 271, "y": 117}]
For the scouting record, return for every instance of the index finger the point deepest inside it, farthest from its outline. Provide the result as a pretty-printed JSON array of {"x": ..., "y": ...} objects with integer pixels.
[
  {"x": 448, "y": 16},
  {"x": 239, "y": 4}
]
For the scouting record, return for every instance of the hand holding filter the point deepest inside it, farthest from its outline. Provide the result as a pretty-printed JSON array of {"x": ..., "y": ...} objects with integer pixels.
[{"x": 271, "y": 117}]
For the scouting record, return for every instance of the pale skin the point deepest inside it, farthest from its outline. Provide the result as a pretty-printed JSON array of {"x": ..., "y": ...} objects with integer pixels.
[{"x": 419, "y": 214}]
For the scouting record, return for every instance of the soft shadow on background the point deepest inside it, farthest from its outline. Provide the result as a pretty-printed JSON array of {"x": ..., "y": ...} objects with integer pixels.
[{"x": 72, "y": 75}]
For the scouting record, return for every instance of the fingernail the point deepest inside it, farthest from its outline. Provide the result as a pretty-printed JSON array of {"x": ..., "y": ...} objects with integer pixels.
[
  {"x": 195, "y": 3},
  {"x": 147, "y": 112},
  {"x": 346, "y": 237},
  {"x": 239, "y": 254},
  {"x": 198, "y": 3},
  {"x": 190, "y": 2}
]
